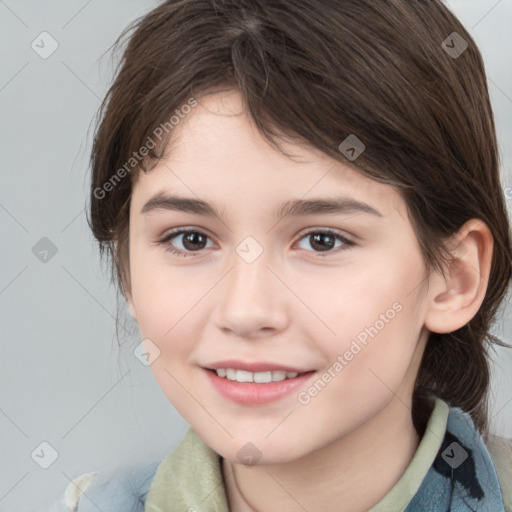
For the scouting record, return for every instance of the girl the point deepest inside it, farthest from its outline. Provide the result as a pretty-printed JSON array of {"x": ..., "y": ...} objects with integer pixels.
[{"x": 302, "y": 206}]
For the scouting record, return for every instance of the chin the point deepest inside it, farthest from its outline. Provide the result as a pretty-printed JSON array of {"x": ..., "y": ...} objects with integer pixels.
[{"x": 257, "y": 453}]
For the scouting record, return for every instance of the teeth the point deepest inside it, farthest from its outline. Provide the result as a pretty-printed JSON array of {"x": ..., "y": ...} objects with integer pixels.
[
  {"x": 260, "y": 377},
  {"x": 263, "y": 377},
  {"x": 243, "y": 376}
]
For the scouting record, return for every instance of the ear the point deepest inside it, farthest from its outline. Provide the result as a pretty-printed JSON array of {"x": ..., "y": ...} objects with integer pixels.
[{"x": 457, "y": 297}]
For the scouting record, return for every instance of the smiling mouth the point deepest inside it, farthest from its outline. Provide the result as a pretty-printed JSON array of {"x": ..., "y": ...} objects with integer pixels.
[
  {"x": 256, "y": 388},
  {"x": 257, "y": 377}
]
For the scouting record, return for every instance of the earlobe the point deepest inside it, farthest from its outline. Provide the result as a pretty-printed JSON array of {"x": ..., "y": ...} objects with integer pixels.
[{"x": 456, "y": 298}]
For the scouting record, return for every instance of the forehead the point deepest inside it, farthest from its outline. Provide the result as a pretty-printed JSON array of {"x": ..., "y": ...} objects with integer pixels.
[{"x": 217, "y": 154}]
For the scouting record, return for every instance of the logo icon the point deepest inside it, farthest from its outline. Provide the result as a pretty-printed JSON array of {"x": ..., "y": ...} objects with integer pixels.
[
  {"x": 454, "y": 45},
  {"x": 44, "y": 455},
  {"x": 454, "y": 455},
  {"x": 44, "y": 250},
  {"x": 249, "y": 454},
  {"x": 44, "y": 45},
  {"x": 352, "y": 147},
  {"x": 146, "y": 352},
  {"x": 249, "y": 249}
]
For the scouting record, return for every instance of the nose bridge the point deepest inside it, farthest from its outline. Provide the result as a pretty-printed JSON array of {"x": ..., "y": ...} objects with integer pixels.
[
  {"x": 249, "y": 300},
  {"x": 250, "y": 271}
]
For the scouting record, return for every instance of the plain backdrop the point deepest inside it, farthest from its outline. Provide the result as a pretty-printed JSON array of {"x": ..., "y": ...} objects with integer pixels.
[{"x": 63, "y": 381}]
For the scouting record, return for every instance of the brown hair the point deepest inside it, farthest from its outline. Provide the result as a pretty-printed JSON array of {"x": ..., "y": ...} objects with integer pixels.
[{"x": 318, "y": 71}]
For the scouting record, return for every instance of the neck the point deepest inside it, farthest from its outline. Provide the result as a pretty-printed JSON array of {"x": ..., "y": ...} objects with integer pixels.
[{"x": 377, "y": 452}]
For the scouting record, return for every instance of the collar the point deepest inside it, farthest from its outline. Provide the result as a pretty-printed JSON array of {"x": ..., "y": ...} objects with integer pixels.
[{"x": 450, "y": 471}]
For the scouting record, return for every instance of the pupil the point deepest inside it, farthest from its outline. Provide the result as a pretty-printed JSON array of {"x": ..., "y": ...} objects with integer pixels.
[
  {"x": 193, "y": 239},
  {"x": 318, "y": 238}
]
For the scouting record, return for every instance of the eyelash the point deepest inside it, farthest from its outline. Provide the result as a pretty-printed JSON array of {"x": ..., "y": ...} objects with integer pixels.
[{"x": 165, "y": 242}]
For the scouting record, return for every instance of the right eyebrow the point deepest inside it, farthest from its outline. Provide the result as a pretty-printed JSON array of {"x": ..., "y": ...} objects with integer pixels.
[{"x": 181, "y": 204}]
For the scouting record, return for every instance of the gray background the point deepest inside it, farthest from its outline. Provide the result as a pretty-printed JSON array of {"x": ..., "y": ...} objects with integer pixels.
[{"x": 63, "y": 379}]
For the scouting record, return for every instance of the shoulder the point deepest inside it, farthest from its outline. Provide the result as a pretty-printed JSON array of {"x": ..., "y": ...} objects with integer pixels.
[
  {"x": 489, "y": 456},
  {"x": 500, "y": 450},
  {"x": 110, "y": 490}
]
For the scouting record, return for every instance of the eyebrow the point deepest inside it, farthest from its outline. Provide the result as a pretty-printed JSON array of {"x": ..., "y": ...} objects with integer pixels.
[{"x": 296, "y": 207}]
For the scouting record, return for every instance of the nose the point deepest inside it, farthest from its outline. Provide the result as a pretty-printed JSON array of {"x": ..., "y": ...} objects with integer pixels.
[{"x": 252, "y": 299}]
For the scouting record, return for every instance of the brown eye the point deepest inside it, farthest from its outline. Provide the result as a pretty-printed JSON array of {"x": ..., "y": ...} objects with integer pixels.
[
  {"x": 325, "y": 241},
  {"x": 322, "y": 241},
  {"x": 191, "y": 241}
]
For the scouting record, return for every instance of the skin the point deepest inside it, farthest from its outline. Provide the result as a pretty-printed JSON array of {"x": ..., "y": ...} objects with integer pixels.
[{"x": 295, "y": 304}]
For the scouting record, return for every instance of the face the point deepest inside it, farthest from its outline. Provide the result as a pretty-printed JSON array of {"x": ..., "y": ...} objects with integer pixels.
[{"x": 331, "y": 293}]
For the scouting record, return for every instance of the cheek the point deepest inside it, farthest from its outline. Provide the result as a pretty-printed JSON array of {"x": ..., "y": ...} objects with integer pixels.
[
  {"x": 167, "y": 302},
  {"x": 167, "y": 305},
  {"x": 367, "y": 363},
  {"x": 354, "y": 299},
  {"x": 374, "y": 321}
]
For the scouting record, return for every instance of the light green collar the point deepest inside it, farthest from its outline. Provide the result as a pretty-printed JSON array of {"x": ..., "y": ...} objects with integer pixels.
[
  {"x": 404, "y": 490},
  {"x": 190, "y": 478}
]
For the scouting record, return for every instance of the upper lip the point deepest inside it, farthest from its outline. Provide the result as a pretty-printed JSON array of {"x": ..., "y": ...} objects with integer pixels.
[{"x": 260, "y": 366}]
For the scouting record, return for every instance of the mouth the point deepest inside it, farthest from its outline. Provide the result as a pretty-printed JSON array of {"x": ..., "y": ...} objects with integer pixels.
[
  {"x": 250, "y": 388},
  {"x": 259, "y": 377}
]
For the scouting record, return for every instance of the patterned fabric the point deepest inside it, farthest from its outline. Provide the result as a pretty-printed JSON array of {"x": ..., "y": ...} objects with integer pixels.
[{"x": 462, "y": 477}]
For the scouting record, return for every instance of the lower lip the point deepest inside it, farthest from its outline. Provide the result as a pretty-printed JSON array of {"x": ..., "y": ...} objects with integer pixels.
[{"x": 252, "y": 393}]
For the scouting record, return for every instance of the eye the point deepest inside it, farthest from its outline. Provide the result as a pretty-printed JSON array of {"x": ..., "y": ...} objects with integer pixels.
[
  {"x": 324, "y": 240},
  {"x": 192, "y": 240}
]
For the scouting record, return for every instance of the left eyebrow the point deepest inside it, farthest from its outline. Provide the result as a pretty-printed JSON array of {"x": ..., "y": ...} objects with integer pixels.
[
  {"x": 297, "y": 207},
  {"x": 301, "y": 207}
]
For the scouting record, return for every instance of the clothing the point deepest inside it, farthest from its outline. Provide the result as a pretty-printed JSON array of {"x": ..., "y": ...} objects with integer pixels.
[{"x": 451, "y": 471}]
